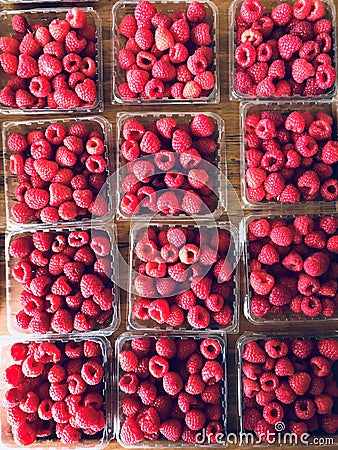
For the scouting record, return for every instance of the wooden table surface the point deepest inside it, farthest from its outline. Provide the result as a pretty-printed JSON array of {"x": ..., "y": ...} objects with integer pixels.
[{"x": 229, "y": 111}]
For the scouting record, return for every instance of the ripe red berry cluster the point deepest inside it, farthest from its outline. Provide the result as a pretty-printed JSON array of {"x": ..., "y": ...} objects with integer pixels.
[
  {"x": 60, "y": 172},
  {"x": 56, "y": 391},
  {"x": 293, "y": 267},
  {"x": 50, "y": 65},
  {"x": 167, "y": 56},
  {"x": 290, "y": 381},
  {"x": 181, "y": 282},
  {"x": 169, "y": 166},
  {"x": 172, "y": 388},
  {"x": 66, "y": 280},
  {"x": 288, "y": 52},
  {"x": 291, "y": 157}
]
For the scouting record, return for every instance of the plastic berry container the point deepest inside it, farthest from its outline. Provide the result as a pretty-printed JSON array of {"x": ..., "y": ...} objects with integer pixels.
[
  {"x": 123, "y": 342},
  {"x": 125, "y": 7},
  {"x": 14, "y": 287},
  {"x": 285, "y": 108},
  {"x": 52, "y": 443},
  {"x": 280, "y": 318},
  {"x": 45, "y": 16},
  {"x": 234, "y": 10},
  {"x": 206, "y": 230},
  {"x": 217, "y": 169},
  {"x": 280, "y": 434},
  {"x": 11, "y": 180}
]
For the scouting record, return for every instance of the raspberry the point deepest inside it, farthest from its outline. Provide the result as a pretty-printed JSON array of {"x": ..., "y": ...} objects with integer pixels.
[
  {"x": 273, "y": 413},
  {"x": 147, "y": 392},
  {"x": 330, "y": 152},
  {"x": 316, "y": 264},
  {"x": 92, "y": 373},
  {"x": 202, "y": 126},
  {"x": 130, "y": 432},
  {"x": 195, "y": 419},
  {"x": 302, "y": 70},
  {"x": 128, "y": 361},
  {"x": 185, "y": 348},
  {"x": 259, "y": 228},
  {"x": 198, "y": 317},
  {"x": 224, "y": 316},
  {"x": 128, "y": 26},
  {"x": 25, "y": 434},
  {"x": 323, "y": 403},
  {"x": 300, "y": 382},
  {"x": 211, "y": 394},
  {"x": 328, "y": 348},
  {"x": 251, "y": 11},
  {"x": 261, "y": 282},
  {"x": 90, "y": 285},
  {"x": 62, "y": 321},
  {"x": 281, "y": 14},
  {"x": 288, "y": 45},
  {"x": 253, "y": 353}
]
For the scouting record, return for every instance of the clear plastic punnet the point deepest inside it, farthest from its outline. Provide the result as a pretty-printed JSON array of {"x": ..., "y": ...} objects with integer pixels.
[
  {"x": 95, "y": 443},
  {"x": 280, "y": 434},
  {"x": 123, "y": 8},
  {"x": 284, "y": 108},
  {"x": 287, "y": 317},
  {"x": 234, "y": 10},
  {"x": 217, "y": 169},
  {"x": 123, "y": 342},
  {"x": 11, "y": 180},
  {"x": 45, "y": 16},
  {"x": 14, "y": 288},
  {"x": 233, "y": 258}
]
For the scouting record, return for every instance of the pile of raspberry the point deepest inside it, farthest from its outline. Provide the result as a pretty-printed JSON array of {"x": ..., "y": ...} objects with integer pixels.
[
  {"x": 293, "y": 267},
  {"x": 167, "y": 56},
  {"x": 291, "y": 157},
  {"x": 288, "y": 52},
  {"x": 182, "y": 283},
  {"x": 289, "y": 381},
  {"x": 60, "y": 172},
  {"x": 169, "y": 166},
  {"x": 66, "y": 280},
  {"x": 50, "y": 65},
  {"x": 171, "y": 389},
  {"x": 56, "y": 392}
]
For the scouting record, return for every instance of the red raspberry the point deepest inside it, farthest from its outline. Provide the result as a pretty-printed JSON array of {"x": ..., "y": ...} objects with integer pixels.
[
  {"x": 251, "y": 11},
  {"x": 147, "y": 392},
  {"x": 198, "y": 317},
  {"x": 253, "y": 353},
  {"x": 300, "y": 382},
  {"x": 90, "y": 285},
  {"x": 130, "y": 432},
  {"x": 261, "y": 282},
  {"x": 62, "y": 321},
  {"x": 259, "y": 228},
  {"x": 171, "y": 429},
  {"x": 128, "y": 26},
  {"x": 195, "y": 419},
  {"x": 92, "y": 373},
  {"x": 328, "y": 348},
  {"x": 128, "y": 360},
  {"x": 211, "y": 394},
  {"x": 288, "y": 45},
  {"x": 330, "y": 152},
  {"x": 323, "y": 403}
]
